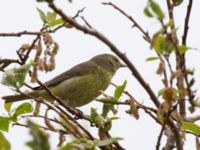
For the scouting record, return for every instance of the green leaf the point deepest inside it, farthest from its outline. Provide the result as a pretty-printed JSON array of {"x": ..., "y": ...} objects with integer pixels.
[
  {"x": 177, "y": 2},
  {"x": 67, "y": 146},
  {"x": 7, "y": 107},
  {"x": 107, "y": 141},
  {"x": 108, "y": 100},
  {"x": 15, "y": 77},
  {"x": 147, "y": 12},
  {"x": 22, "y": 109},
  {"x": 159, "y": 43},
  {"x": 51, "y": 16},
  {"x": 152, "y": 58},
  {"x": 80, "y": 143},
  {"x": 4, "y": 123},
  {"x": 95, "y": 117},
  {"x": 191, "y": 127},
  {"x": 119, "y": 90},
  {"x": 107, "y": 126},
  {"x": 106, "y": 109},
  {"x": 56, "y": 22},
  {"x": 182, "y": 49},
  {"x": 4, "y": 144},
  {"x": 156, "y": 9},
  {"x": 40, "y": 139},
  {"x": 114, "y": 118},
  {"x": 42, "y": 15}
]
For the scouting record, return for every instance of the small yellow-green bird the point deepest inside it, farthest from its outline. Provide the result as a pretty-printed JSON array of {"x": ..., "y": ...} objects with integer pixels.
[{"x": 79, "y": 85}]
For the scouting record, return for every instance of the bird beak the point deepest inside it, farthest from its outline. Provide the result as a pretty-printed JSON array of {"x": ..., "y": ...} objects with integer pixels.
[{"x": 123, "y": 65}]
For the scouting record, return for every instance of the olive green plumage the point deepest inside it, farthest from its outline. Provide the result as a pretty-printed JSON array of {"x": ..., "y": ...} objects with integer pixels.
[{"x": 79, "y": 85}]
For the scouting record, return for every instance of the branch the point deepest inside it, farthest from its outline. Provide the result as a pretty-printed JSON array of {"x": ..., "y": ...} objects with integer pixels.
[
  {"x": 5, "y": 62},
  {"x": 186, "y": 26},
  {"x": 42, "y": 127},
  {"x": 135, "y": 24},
  {"x": 171, "y": 14},
  {"x": 102, "y": 38},
  {"x": 26, "y": 56},
  {"x": 9, "y": 61},
  {"x": 167, "y": 117},
  {"x": 184, "y": 39},
  {"x": 18, "y": 34}
]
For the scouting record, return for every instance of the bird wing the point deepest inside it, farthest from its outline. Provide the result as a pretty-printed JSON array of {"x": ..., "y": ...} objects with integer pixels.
[{"x": 78, "y": 70}]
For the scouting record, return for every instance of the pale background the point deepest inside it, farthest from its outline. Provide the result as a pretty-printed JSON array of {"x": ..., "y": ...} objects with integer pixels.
[{"x": 76, "y": 47}]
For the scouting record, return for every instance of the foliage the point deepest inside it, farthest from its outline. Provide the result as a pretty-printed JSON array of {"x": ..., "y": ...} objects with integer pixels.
[
  {"x": 4, "y": 144},
  {"x": 174, "y": 103}
]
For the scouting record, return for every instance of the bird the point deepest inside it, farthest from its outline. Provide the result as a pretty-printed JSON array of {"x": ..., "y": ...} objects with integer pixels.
[{"x": 79, "y": 85}]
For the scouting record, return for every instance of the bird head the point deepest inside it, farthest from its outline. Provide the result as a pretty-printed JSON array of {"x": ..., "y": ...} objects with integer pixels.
[{"x": 108, "y": 62}]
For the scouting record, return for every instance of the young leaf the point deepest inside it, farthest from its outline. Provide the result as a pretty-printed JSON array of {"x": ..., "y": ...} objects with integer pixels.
[
  {"x": 152, "y": 58},
  {"x": 15, "y": 77},
  {"x": 159, "y": 43},
  {"x": 106, "y": 109},
  {"x": 177, "y": 2},
  {"x": 107, "y": 126},
  {"x": 119, "y": 90},
  {"x": 40, "y": 138},
  {"x": 191, "y": 127},
  {"x": 4, "y": 123},
  {"x": 7, "y": 107},
  {"x": 55, "y": 22},
  {"x": 22, "y": 109},
  {"x": 107, "y": 100},
  {"x": 68, "y": 146},
  {"x": 51, "y": 16},
  {"x": 156, "y": 9},
  {"x": 107, "y": 141},
  {"x": 4, "y": 144},
  {"x": 43, "y": 16},
  {"x": 182, "y": 49},
  {"x": 147, "y": 12},
  {"x": 95, "y": 117}
]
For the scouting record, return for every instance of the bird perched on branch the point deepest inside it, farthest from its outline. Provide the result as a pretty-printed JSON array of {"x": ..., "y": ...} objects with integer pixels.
[{"x": 79, "y": 85}]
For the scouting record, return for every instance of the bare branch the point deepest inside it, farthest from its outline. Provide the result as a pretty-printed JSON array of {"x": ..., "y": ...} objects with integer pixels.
[
  {"x": 18, "y": 34},
  {"x": 9, "y": 61},
  {"x": 186, "y": 26},
  {"x": 135, "y": 24}
]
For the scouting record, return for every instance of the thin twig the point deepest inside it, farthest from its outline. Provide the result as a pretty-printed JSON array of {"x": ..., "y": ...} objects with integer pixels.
[
  {"x": 184, "y": 42},
  {"x": 86, "y": 22},
  {"x": 135, "y": 24},
  {"x": 160, "y": 136},
  {"x": 42, "y": 127},
  {"x": 186, "y": 24},
  {"x": 18, "y": 34},
  {"x": 26, "y": 56},
  {"x": 164, "y": 125},
  {"x": 9, "y": 61}
]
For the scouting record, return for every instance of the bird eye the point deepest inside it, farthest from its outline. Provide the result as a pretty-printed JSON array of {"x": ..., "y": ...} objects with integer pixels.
[{"x": 117, "y": 60}]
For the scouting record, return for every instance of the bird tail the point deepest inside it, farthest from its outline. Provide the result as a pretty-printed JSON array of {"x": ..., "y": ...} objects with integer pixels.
[{"x": 14, "y": 98}]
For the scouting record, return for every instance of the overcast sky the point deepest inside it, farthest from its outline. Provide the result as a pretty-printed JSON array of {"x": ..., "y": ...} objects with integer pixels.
[{"x": 76, "y": 47}]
